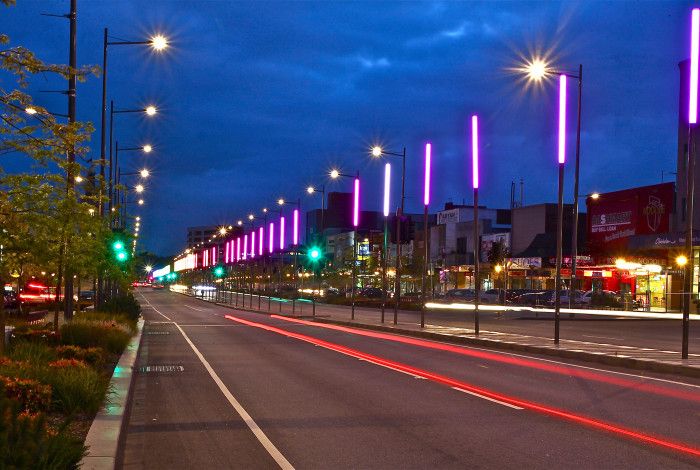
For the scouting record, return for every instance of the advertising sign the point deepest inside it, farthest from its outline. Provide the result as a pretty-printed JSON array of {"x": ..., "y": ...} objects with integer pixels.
[{"x": 615, "y": 217}]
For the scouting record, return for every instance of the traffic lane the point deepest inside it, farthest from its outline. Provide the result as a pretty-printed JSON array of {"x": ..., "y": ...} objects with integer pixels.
[
  {"x": 323, "y": 409},
  {"x": 181, "y": 419},
  {"x": 669, "y": 409},
  {"x": 657, "y": 334}
]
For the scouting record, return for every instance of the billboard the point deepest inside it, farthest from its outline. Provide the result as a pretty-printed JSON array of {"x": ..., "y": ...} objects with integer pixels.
[{"x": 615, "y": 217}]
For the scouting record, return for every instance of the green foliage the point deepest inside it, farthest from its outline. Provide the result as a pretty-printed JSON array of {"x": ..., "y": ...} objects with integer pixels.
[
  {"x": 33, "y": 352},
  {"x": 93, "y": 356},
  {"x": 76, "y": 389},
  {"x": 27, "y": 442},
  {"x": 125, "y": 304},
  {"x": 35, "y": 336},
  {"x": 108, "y": 335}
]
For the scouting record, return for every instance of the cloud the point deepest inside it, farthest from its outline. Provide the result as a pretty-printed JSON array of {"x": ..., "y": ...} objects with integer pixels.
[{"x": 369, "y": 63}]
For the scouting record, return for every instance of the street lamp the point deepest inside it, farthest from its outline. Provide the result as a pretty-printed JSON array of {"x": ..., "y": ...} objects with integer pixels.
[
  {"x": 537, "y": 70},
  {"x": 377, "y": 152},
  {"x": 158, "y": 43},
  {"x": 144, "y": 173},
  {"x": 335, "y": 174},
  {"x": 311, "y": 190},
  {"x": 690, "y": 185},
  {"x": 139, "y": 188},
  {"x": 112, "y": 194},
  {"x": 426, "y": 203},
  {"x": 475, "y": 233},
  {"x": 387, "y": 193},
  {"x": 561, "y": 159}
]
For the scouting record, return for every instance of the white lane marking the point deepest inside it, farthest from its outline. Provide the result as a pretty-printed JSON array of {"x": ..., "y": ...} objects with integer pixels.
[
  {"x": 604, "y": 337},
  {"x": 389, "y": 367},
  {"x": 194, "y": 308},
  {"x": 155, "y": 309},
  {"x": 259, "y": 434},
  {"x": 488, "y": 398}
]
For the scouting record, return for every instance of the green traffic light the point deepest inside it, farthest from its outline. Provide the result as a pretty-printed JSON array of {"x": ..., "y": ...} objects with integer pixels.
[
  {"x": 314, "y": 253},
  {"x": 121, "y": 256},
  {"x": 118, "y": 245},
  {"x": 218, "y": 271}
]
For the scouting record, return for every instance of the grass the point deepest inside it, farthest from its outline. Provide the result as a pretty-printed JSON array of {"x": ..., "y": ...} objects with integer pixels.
[
  {"x": 32, "y": 352},
  {"x": 119, "y": 318},
  {"x": 108, "y": 335}
]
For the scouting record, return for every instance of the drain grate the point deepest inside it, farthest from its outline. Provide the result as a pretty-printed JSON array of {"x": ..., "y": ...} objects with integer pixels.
[
  {"x": 161, "y": 368},
  {"x": 157, "y": 332}
]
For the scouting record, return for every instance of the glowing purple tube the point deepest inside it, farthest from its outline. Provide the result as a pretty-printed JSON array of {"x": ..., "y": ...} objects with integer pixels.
[
  {"x": 226, "y": 247},
  {"x": 387, "y": 188},
  {"x": 475, "y": 151},
  {"x": 426, "y": 184},
  {"x": 282, "y": 233},
  {"x": 271, "y": 237},
  {"x": 252, "y": 244},
  {"x": 260, "y": 236},
  {"x": 214, "y": 255},
  {"x": 356, "y": 205},
  {"x": 245, "y": 246},
  {"x": 694, "y": 50},
  {"x": 562, "y": 119},
  {"x": 238, "y": 249},
  {"x": 295, "y": 224}
]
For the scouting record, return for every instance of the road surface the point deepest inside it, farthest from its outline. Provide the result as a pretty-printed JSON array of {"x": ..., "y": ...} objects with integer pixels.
[{"x": 221, "y": 388}]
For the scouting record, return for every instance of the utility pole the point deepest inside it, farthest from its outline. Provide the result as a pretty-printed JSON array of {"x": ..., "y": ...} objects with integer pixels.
[{"x": 70, "y": 177}]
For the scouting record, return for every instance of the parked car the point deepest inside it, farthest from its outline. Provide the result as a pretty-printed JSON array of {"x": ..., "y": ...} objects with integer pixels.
[
  {"x": 534, "y": 299},
  {"x": 157, "y": 286},
  {"x": 87, "y": 295},
  {"x": 10, "y": 300},
  {"x": 460, "y": 295},
  {"x": 371, "y": 293},
  {"x": 490, "y": 296}
]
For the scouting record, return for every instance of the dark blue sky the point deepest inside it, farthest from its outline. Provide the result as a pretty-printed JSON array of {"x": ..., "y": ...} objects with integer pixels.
[{"x": 259, "y": 99}]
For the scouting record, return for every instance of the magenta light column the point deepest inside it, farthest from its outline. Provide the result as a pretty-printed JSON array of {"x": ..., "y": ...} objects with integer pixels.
[
  {"x": 226, "y": 248},
  {"x": 426, "y": 253},
  {"x": 561, "y": 159},
  {"x": 355, "y": 224},
  {"x": 295, "y": 227},
  {"x": 260, "y": 240},
  {"x": 245, "y": 246},
  {"x": 238, "y": 249},
  {"x": 281, "y": 233},
  {"x": 271, "y": 237},
  {"x": 252, "y": 243},
  {"x": 690, "y": 177},
  {"x": 385, "y": 246},
  {"x": 475, "y": 234}
]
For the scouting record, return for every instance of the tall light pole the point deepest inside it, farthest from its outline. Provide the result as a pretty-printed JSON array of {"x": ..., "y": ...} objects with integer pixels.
[
  {"x": 560, "y": 202},
  {"x": 387, "y": 193},
  {"x": 537, "y": 70},
  {"x": 378, "y": 151},
  {"x": 690, "y": 181},
  {"x": 311, "y": 190},
  {"x": 475, "y": 234},
  {"x": 355, "y": 223},
  {"x": 426, "y": 203}
]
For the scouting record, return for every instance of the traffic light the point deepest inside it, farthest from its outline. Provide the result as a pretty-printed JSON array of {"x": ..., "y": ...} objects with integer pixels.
[
  {"x": 314, "y": 253},
  {"x": 218, "y": 271},
  {"x": 314, "y": 256},
  {"x": 120, "y": 254}
]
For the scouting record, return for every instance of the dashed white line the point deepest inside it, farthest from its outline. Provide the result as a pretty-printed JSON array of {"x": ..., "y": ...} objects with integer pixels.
[{"x": 488, "y": 398}]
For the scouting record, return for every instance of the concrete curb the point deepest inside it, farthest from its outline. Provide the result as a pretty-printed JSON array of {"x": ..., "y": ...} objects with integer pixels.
[
  {"x": 104, "y": 434},
  {"x": 620, "y": 361}
]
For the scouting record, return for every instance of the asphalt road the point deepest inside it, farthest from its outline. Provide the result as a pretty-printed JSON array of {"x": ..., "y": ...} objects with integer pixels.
[{"x": 247, "y": 390}]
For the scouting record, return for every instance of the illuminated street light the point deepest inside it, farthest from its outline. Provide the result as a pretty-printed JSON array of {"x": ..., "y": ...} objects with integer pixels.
[
  {"x": 145, "y": 173},
  {"x": 537, "y": 69},
  {"x": 222, "y": 231},
  {"x": 334, "y": 174},
  {"x": 148, "y": 268},
  {"x": 280, "y": 201},
  {"x": 376, "y": 151},
  {"x": 681, "y": 260},
  {"x": 151, "y": 110},
  {"x": 239, "y": 223},
  {"x": 310, "y": 190},
  {"x": 139, "y": 188},
  {"x": 138, "y": 218},
  {"x": 140, "y": 202},
  {"x": 30, "y": 110},
  {"x": 595, "y": 196},
  {"x": 159, "y": 42},
  {"x": 251, "y": 216},
  {"x": 78, "y": 179},
  {"x": 147, "y": 148}
]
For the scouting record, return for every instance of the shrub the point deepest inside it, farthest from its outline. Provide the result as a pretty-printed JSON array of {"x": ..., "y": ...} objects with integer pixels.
[
  {"x": 27, "y": 442},
  {"x": 110, "y": 336},
  {"x": 62, "y": 363},
  {"x": 76, "y": 389},
  {"x": 120, "y": 318},
  {"x": 93, "y": 356},
  {"x": 29, "y": 394},
  {"x": 125, "y": 304},
  {"x": 35, "y": 336},
  {"x": 32, "y": 352}
]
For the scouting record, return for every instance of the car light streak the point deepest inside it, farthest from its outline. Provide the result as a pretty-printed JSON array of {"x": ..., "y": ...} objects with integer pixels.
[
  {"x": 450, "y": 382},
  {"x": 510, "y": 360}
]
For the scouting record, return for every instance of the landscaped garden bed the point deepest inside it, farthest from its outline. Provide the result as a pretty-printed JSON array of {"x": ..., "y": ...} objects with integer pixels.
[{"x": 52, "y": 385}]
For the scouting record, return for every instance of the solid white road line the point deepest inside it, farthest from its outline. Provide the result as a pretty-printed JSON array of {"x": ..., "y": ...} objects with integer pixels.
[
  {"x": 488, "y": 398},
  {"x": 259, "y": 434}
]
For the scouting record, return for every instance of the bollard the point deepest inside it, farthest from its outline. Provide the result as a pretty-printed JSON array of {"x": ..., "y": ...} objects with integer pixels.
[
  {"x": 313, "y": 306},
  {"x": 293, "y": 306},
  {"x": 269, "y": 303},
  {"x": 258, "y": 301}
]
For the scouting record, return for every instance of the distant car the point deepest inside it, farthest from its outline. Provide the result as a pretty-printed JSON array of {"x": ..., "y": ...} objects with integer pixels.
[
  {"x": 491, "y": 296},
  {"x": 533, "y": 299},
  {"x": 332, "y": 292},
  {"x": 371, "y": 293},
  {"x": 157, "y": 286},
  {"x": 460, "y": 295},
  {"x": 87, "y": 295}
]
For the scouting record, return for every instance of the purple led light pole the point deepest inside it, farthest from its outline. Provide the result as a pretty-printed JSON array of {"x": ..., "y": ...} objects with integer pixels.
[
  {"x": 690, "y": 181},
  {"x": 385, "y": 254},
  {"x": 561, "y": 154},
  {"x": 475, "y": 187},
  {"x": 426, "y": 203},
  {"x": 355, "y": 223},
  {"x": 271, "y": 238}
]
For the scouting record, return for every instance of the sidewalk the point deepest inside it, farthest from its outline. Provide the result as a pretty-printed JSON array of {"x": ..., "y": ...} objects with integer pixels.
[{"x": 408, "y": 324}]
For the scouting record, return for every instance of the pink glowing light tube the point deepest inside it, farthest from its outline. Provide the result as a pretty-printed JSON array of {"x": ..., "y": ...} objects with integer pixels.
[
  {"x": 295, "y": 224},
  {"x": 562, "y": 118},
  {"x": 426, "y": 184},
  {"x": 282, "y": 233},
  {"x": 260, "y": 239},
  {"x": 271, "y": 237},
  {"x": 356, "y": 205},
  {"x": 475, "y": 152},
  {"x": 694, "y": 51},
  {"x": 387, "y": 188}
]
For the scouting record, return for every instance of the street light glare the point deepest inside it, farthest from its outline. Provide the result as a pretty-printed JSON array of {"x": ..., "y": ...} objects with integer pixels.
[
  {"x": 681, "y": 260},
  {"x": 240, "y": 222},
  {"x": 139, "y": 188},
  {"x": 537, "y": 69},
  {"x": 147, "y": 148},
  {"x": 78, "y": 179},
  {"x": 595, "y": 196},
  {"x": 159, "y": 42},
  {"x": 148, "y": 268},
  {"x": 222, "y": 230},
  {"x": 30, "y": 110},
  {"x": 151, "y": 110},
  {"x": 251, "y": 216},
  {"x": 376, "y": 151},
  {"x": 145, "y": 173},
  {"x": 310, "y": 190},
  {"x": 280, "y": 201},
  {"x": 140, "y": 202},
  {"x": 138, "y": 218},
  {"x": 335, "y": 174}
]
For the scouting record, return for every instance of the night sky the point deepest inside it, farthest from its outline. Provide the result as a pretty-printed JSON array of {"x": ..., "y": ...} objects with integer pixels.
[{"x": 259, "y": 99}]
